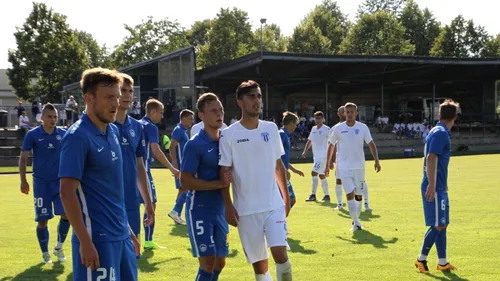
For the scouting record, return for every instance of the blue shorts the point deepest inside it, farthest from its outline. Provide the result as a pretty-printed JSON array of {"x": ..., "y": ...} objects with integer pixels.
[
  {"x": 46, "y": 194},
  {"x": 290, "y": 191},
  {"x": 152, "y": 189},
  {"x": 134, "y": 220},
  {"x": 437, "y": 213},
  {"x": 116, "y": 262},
  {"x": 208, "y": 233}
]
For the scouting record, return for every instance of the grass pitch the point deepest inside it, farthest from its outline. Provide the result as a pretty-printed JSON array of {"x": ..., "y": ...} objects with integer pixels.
[{"x": 323, "y": 248}]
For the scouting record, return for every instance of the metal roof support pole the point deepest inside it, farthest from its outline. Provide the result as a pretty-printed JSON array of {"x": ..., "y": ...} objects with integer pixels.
[
  {"x": 267, "y": 101},
  {"x": 326, "y": 103},
  {"x": 497, "y": 101},
  {"x": 432, "y": 104},
  {"x": 381, "y": 99}
]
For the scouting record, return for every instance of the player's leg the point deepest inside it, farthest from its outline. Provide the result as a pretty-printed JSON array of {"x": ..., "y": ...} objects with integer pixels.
[
  {"x": 149, "y": 230},
  {"x": 431, "y": 219},
  {"x": 359, "y": 178},
  {"x": 221, "y": 239},
  {"x": 201, "y": 236},
  {"x": 291, "y": 193},
  {"x": 128, "y": 263},
  {"x": 441, "y": 239},
  {"x": 251, "y": 230},
  {"x": 348, "y": 183},
  {"x": 338, "y": 191},
  {"x": 63, "y": 225},
  {"x": 180, "y": 200},
  {"x": 365, "y": 195},
  {"x": 43, "y": 213},
  {"x": 315, "y": 181},
  {"x": 134, "y": 220},
  {"x": 324, "y": 180},
  {"x": 276, "y": 236}
]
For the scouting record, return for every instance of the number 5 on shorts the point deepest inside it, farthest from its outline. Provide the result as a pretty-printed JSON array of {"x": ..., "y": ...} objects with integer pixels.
[{"x": 199, "y": 228}]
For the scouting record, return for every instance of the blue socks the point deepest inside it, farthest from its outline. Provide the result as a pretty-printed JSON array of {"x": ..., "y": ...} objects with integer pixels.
[
  {"x": 148, "y": 230},
  {"x": 179, "y": 203},
  {"x": 203, "y": 275},
  {"x": 215, "y": 276},
  {"x": 62, "y": 232},
  {"x": 43, "y": 238},
  {"x": 441, "y": 244},
  {"x": 429, "y": 239}
]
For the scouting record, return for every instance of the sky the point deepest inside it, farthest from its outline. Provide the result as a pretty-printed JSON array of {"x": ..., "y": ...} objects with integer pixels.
[{"x": 105, "y": 19}]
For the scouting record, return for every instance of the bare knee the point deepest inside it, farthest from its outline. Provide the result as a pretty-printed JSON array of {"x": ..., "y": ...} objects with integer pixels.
[
  {"x": 220, "y": 263},
  {"x": 358, "y": 197},
  {"x": 42, "y": 224},
  {"x": 279, "y": 254},
  {"x": 441, "y": 228},
  {"x": 350, "y": 196},
  {"x": 207, "y": 263},
  {"x": 261, "y": 267},
  {"x": 322, "y": 177},
  {"x": 314, "y": 174}
]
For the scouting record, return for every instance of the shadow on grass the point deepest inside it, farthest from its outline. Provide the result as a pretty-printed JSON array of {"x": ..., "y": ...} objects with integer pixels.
[
  {"x": 448, "y": 276},
  {"x": 296, "y": 247},
  {"x": 145, "y": 265},
  {"x": 366, "y": 237},
  {"x": 34, "y": 273},
  {"x": 365, "y": 215},
  {"x": 179, "y": 230}
]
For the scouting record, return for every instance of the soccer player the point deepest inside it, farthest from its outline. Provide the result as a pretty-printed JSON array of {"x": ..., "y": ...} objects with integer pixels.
[
  {"x": 318, "y": 139},
  {"x": 196, "y": 128},
  {"x": 290, "y": 121},
  {"x": 251, "y": 151},
  {"x": 437, "y": 152},
  {"x": 132, "y": 143},
  {"x": 206, "y": 222},
  {"x": 349, "y": 137},
  {"x": 154, "y": 113},
  {"x": 179, "y": 139},
  {"x": 91, "y": 179},
  {"x": 44, "y": 142}
]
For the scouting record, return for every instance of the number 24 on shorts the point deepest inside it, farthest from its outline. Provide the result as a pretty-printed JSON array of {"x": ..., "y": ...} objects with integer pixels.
[{"x": 104, "y": 274}]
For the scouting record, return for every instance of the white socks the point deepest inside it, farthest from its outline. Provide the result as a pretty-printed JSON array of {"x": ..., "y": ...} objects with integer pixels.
[
  {"x": 358, "y": 208},
  {"x": 315, "y": 185},
  {"x": 263, "y": 277},
  {"x": 365, "y": 191},
  {"x": 440, "y": 261},
  {"x": 338, "y": 193},
  {"x": 353, "y": 210},
  {"x": 284, "y": 271},
  {"x": 324, "y": 185}
]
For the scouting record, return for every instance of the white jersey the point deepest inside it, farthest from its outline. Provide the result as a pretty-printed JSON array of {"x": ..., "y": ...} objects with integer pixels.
[
  {"x": 349, "y": 140},
  {"x": 319, "y": 141},
  {"x": 196, "y": 128},
  {"x": 252, "y": 154}
]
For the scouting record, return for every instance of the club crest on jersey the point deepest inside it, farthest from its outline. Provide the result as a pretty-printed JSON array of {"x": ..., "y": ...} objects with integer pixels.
[
  {"x": 356, "y": 131},
  {"x": 132, "y": 133},
  {"x": 265, "y": 136},
  {"x": 58, "y": 137}
]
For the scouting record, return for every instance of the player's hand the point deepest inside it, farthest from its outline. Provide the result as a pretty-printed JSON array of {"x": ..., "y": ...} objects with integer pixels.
[
  {"x": 25, "y": 187},
  {"x": 89, "y": 255},
  {"x": 300, "y": 173},
  {"x": 137, "y": 244},
  {"x": 304, "y": 154},
  {"x": 377, "y": 166},
  {"x": 150, "y": 215},
  {"x": 232, "y": 216},
  {"x": 430, "y": 193},
  {"x": 227, "y": 178},
  {"x": 175, "y": 172}
]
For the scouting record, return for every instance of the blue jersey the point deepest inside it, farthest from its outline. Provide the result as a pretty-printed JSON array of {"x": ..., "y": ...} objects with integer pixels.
[
  {"x": 46, "y": 150},
  {"x": 180, "y": 135},
  {"x": 438, "y": 142},
  {"x": 132, "y": 145},
  {"x": 285, "y": 140},
  {"x": 201, "y": 158},
  {"x": 151, "y": 135},
  {"x": 95, "y": 159}
]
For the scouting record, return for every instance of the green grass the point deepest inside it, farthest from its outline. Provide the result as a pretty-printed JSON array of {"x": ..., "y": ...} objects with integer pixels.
[
  {"x": 13, "y": 169},
  {"x": 323, "y": 248}
]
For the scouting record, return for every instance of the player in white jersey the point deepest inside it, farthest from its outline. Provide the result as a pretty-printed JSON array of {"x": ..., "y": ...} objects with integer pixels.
[
  {"x": 196, "y": 128},
  {"x": 349, "y": 137},
  {"x": 318, "y": 140},
  {"x": 251, "y": 151}
]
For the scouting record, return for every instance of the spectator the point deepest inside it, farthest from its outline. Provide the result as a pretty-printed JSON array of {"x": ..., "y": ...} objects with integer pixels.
[
  {"x": 136, "y": 109},
  {"x": 70, "y": 103},
  {"x": 19, "y": 108},
  {"x": 24, "y": 121}
]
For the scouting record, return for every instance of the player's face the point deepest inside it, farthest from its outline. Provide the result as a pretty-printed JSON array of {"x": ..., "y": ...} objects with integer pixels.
[
  {"x": 157, "y": 115},
  {"x": 341, "y": 115},
  {"x": 291, "y": 127},
  {"x": 188, "y": 121},
  {"x": 127, "y": 94},
  {"x": 318, "y": 120},
  {"x": 49, "y": 118},
  {"x": 350, "y": 113},
  {"x": 104, "y": 102},
  {"x": 213, "y": 114},
  {"x": 250, "y": 103}
]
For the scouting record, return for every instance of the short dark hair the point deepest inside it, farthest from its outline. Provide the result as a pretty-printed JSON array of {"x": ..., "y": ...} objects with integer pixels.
[
  {"x": 289, "y": 117},
  {"x": 48, "y": 106},
  {"x": 448, "y": 110},
  {"x": 319, "y": 114},
  {"x": 351, "y": 104},
  {"x": 91, "y": 78},
  {"x": 245, "y": 87},
  {"x": 185, "y": 113},
  {"x": 153, "y": 104},
  {"x": 341, "y": 108},
  {"x": 127, "y": 79},
  {"x": 204, "y": 99}
]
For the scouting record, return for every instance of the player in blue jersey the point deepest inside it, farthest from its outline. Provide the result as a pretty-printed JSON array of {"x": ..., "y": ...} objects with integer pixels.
[
  {"x": 205, "y": 213},
  {"x": 44, "y": 142},
  {"x": 132, "y": 144},
  {"x": 290, "y": 121},
  {"x": 91, "y": 179},
  {"x": 179, "y": 138},
  {"x": 437, "y": 152},
  {"x": 154, "y": 114}
]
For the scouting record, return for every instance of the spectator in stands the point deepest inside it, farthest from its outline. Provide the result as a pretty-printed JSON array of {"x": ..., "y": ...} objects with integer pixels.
[
  {"x": 70, "y": 103},
  {"x": 36, "y": 112},
  {"x": 136, "y": 109},
  {"x": 19, "y": 108},
  {"x": 24, "y": 121}
]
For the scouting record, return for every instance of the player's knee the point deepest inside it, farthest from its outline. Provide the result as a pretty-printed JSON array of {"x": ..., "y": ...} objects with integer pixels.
[
  {"x": 220, "y": 263},
  {"x": 261, "y": 267},
  {"x": 314, "y": 174},
  {"x": 358, "y": 197},
  {"x": 441, "y": 228},
  {"x": 42, "y": 224},
  {"x": 339, "y": 181},
  {"x": 207, "y": 263},
  {"x": 279, "y": 254},
  {"x": 322, "y": 177},
  {"x": 350, "y": 196}
]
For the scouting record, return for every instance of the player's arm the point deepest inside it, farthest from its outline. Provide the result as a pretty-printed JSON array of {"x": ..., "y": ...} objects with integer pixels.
[
  {"x": 225, "y": 170},
  {"x": 306, "y": 148},
  {"x": 295, "y": 170},
  {"x": 28, "y": 142},
  {"x": 173, "y": 148},
  {"x": 142, "y": 185},
  {"x": 280, "y": 174},
  {"x": 373, "y": 148},
  {"x": 162, "y": 158},
  {"x": 434, "y": 148},
  {"x": 68, "y": 189}
]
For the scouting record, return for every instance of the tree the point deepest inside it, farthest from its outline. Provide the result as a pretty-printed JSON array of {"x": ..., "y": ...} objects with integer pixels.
[
  {"x": 272, "y": 39},
  {"x": 492, "y": 48},
  {"x": 332, "y": 24},
  {"x": 48, "y": 50},
  {"x": 377, "y": 34},
  {"x": 98, "y": 55},
  {"x": 460, "y": 39},
  {"x": 149, "y": 39},
  {"x": 230, "y": 37},
  {"x": 421, "y": 28},
  {"x": 197, "y": 35},
  {"x": 372, "y": 6}
]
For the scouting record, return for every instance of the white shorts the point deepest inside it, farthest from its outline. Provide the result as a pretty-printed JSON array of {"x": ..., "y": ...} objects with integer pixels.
[
  {"x": 256, "y": 229},
  {"x": 319, "y": 166},
  {"x": 353, "y": 180}
]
